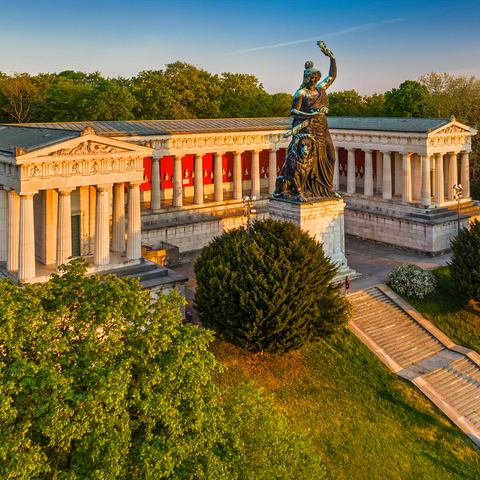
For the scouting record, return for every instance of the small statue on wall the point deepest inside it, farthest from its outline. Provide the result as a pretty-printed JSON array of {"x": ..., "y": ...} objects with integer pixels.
[
  {"x": 185, "y": 173},
  {"x": 165, "y": 177},
  {"x": 205, "y": 173},
  {"x": 210, "y": 175}
]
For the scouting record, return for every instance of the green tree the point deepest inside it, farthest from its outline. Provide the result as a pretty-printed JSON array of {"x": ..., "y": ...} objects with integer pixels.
[
  {"x": 280, "y": 105},
  {"x": 98, "y": 382},
  {"x": 465, "y": 264},
  {"x": 345, "y": 103},
  {"x": 269, "y": 291},
  {"x": 375, "y": 105},
  {"x": 410, "y": 99},
  {"x": 154, "y": 97}
]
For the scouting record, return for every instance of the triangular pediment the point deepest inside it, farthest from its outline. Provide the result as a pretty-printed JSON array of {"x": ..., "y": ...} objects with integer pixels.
[
  {"x": 89, "y": 145},
  {"x": 455, "y": 128}
]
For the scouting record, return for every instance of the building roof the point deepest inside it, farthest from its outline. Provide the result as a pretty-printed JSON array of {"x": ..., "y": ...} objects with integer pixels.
[
  {"x": 166, "y": 127},
  {"x": 31, "y": 138}
]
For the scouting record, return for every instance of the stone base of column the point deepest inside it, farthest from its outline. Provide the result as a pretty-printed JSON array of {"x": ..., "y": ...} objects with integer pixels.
[{"x": 323, "y": 219}]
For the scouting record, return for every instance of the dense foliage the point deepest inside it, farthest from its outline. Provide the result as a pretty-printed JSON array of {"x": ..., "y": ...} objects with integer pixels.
[
  {"x": 269, "y": 291},
  {"x": 412, "y": 280},
  {"x": 97, "y": 382},
  {"x": 465, "y": 264}
]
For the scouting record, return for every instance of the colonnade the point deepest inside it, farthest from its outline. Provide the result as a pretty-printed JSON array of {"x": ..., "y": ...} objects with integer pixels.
[
  {"x": 443, "y": 166},
  {"x": 17, "y": 228},
  {"x": 198, "y": 195}
]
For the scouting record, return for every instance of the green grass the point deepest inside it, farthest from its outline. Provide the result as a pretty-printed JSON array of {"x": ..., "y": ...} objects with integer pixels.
[
  {"x": 445, "y": 310},
  {"x": 365, "y": 421}
]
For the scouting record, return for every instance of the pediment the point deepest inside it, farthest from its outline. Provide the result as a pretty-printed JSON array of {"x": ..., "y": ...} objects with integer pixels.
[
  {"x": 87, "y": 148},
  {"x": 455, "y": 128}
]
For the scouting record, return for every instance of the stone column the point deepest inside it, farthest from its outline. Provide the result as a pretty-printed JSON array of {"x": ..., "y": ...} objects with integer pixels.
[
  {"x": 379, "y": 161},
  {"x": 432, "y": 166},
  {"x": 336, "y": 172},
  {"x": 218, "y": 178},
  {"x": 118, "y": 218},
  {"x": 368, "y": 175},
  {"x": 387, "y": 175},
  {"x": 452, "y": 174},
  {"x": 237, "y": 175},
  {"x": 255, "y": 182},
  {"x": 26, "y": 249},
  {"x": 134, "y": 226},
  {"x": 439, "y": 192},
  {"x": 272, "y": 170},
  {"x": 426, "y": 187},
  {"x": 101, "y": 254},
  {"x": 351, "y": 187},
  {"x": 64, "y": 226},
  {"x": 13, "y": 230},
  {"x": 465, "y": 174},
  {"x": 198, "y": 179},
  {"x": 155, "y": 203},
  {"x": 177, "y": 181},
  {"x": 446, "y": 170},
  {"x": 3, "y": 224},
  {"x": 407, "y": 178}
]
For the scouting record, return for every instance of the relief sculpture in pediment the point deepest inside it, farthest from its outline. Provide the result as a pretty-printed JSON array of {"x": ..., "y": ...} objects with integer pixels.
[
  {"x": 453, "y": 129},
  {"x": 88, "y": 148}
]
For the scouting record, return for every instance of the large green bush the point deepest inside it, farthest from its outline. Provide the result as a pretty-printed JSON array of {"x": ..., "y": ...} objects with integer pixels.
[
  {"x": 465, "y": 264},
  {"x": 412, "y": 280},
  {"x": 269, "y": 291}
]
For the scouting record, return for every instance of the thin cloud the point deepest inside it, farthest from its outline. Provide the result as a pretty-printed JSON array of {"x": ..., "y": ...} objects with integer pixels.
[
  {"x": 345, "y": 31},
  {"x": 463, "y": 71}
]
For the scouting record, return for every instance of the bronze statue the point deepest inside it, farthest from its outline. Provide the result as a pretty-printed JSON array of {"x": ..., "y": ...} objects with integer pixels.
[{"x": 310, "y": 159}]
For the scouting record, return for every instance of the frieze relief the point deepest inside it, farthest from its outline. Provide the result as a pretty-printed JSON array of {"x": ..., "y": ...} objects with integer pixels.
[{"x": 88, "y": 148}]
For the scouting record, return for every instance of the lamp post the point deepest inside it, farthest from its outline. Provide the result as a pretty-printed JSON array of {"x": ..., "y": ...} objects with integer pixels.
[
  {"x": 458, "y": 195},
  {"x": 247, "y": 209}
]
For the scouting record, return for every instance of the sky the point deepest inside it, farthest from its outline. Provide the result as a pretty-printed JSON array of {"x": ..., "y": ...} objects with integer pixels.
[{"x": 377, "y": 44}]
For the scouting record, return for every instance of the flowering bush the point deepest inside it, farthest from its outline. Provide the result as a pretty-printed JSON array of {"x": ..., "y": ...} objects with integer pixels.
[{"x": 412, "y": 281}]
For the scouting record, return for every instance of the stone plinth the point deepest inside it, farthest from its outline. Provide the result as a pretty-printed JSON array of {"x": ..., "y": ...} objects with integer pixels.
[{"x": 322, "y": 219}]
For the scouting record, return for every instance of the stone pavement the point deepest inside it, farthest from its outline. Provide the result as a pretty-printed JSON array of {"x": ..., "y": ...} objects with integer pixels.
[{"x": 371, "y": 260}]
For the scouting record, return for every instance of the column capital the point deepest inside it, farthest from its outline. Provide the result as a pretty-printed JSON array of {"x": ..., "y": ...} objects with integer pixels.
[
  {"x": 219, "y": 154},
  {"x": 28, "y": 194},
  {"x": 238, "y": 152},
  {"x": 65, "y": 190},
  {"x": 198, "y": 155},
  {"x": 453, "y": 153},
  {"x": 351, "y": 149},
  {"x": 368, "y": 150},
  {"x": 103, "y": 187},
  {"x": 273, "y": 150},
  {"x": 134, "y": 184},
  {"x": 156, "y": 156},
  {"x": 386, "y": 152},
  {"x": 257, "y": 150},
  {"x": 408, "y": 154}
]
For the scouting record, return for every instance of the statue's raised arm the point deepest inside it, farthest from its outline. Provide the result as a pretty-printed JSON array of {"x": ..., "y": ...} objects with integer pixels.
[{"x": 333, "y": 66}]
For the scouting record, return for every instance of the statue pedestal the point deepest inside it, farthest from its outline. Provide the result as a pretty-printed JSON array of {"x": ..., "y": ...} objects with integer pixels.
[{"x": 323, "y": 219}]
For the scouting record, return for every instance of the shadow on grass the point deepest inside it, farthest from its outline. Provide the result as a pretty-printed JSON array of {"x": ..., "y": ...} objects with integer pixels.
[{"x": 447, "y": 467}]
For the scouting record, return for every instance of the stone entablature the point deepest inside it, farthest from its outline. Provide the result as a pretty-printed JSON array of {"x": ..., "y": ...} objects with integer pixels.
[{"x": 86, "y": 160}]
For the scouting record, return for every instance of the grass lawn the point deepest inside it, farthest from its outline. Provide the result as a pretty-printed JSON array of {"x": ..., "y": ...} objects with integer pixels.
[
  {"x": 366, "y": 422},
  {"x": 446, "y": 311}
]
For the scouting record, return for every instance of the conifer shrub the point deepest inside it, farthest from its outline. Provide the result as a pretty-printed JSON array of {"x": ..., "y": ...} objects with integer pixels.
[
  {"x": 412, "y": 281},
  {"x": 465, "y": 264},
  {"x": 269, "y": 291}
]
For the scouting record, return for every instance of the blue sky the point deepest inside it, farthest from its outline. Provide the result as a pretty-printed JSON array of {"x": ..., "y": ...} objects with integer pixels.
[{"x": 378, "y": 44}]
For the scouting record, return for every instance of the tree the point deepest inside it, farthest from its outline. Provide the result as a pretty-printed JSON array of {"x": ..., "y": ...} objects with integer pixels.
[
  {"x": 280, "y": 105},
  {"x": 98, "y": 382},
  {"x": 19, "y": 95},
  {"x": 269, "y": 291},
  {"x": 465, "y": 264},
  {"x": 345, "y": 103},
  {"x": 410, "y": 99}
]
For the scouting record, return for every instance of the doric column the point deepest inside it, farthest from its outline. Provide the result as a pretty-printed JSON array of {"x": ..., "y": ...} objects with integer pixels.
[
  {"x": 134, "y": 226},
  {"x": 118, "y": 218},
  {"x": 446, "y": 170},
  {"x": 351, "y": 187},
  {"x": 237, "y": 175},
  {"x": 198, "y": 179},
  {"x": 379, "y": 162},
  {"x": 336, "y": 172},
  {"x": 255, "y": 182},
  {"x": 439, "y": 192},
  {"x": 452, "y": 174},
  {"x": 177, "y": 181},
  {"x": 218, "y": 178},
  {"x": 101, "y": 254},
  {"x": 465, "y": 175},
  {"x": 26, "y": 248},
  {"x": 64, "y": 226},
  {"x": 387, "y": 175},
  {"x": 272, "y": 170},
  {"x": 426, "y": 198},
  {"x": 407, "y": 178},
  {"x": 155, "y": 203},
  {"x": 13, "y": 230},
  {"x": 368, "y": 175},
  {"x": 3, "y": 224}
]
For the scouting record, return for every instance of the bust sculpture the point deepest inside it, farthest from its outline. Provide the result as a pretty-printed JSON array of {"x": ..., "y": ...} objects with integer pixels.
[{"x": 310, "y": 160}]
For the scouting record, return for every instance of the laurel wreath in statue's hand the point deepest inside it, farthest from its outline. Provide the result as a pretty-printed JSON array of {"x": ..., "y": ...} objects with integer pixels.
[{"x": 325, "y": 50}]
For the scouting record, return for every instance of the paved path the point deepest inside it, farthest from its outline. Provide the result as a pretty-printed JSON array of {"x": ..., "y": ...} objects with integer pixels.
[{"x": 448, "y": 374}]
